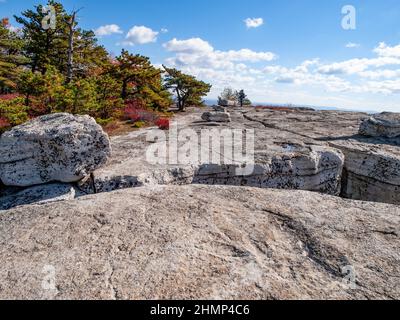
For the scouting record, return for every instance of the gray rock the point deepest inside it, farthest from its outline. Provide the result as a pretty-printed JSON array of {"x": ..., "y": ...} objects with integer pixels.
[
  {"x": 38, "y": 195},
  {"x": 57, "y": 147},
  {"x": 201, "y": 242},
  {"x": 219, "y": 108},
  {"x": 372, "y": 164},
  {"x": 312, "y": 168},
  {"x": 386, "y": 124},
  {"x": 372, "y": 170},
  {"x": 227, "y": 103},
  {"x": 216, "y": 117}
]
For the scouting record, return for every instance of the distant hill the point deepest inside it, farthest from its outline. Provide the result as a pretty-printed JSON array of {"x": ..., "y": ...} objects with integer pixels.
[{"x": 211, "y": 102}]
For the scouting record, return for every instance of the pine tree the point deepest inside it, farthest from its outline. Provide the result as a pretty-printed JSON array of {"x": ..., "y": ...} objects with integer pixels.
[
  {"x": 140, "y": 80},
  {"x": 241, "y": 97},
  {"x": 189, "y": 91},
  {"x": 70, "y": 49},
  {"x": 10, "y": 56}
]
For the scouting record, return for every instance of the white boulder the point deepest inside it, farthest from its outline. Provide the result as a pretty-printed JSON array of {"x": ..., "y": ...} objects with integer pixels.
[{"x": 57, "y": 147}]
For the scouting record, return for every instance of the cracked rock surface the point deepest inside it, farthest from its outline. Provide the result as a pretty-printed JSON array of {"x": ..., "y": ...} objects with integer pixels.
[
  {"x": 283, "y": 160},
  {"x": 201, "y": 242}
]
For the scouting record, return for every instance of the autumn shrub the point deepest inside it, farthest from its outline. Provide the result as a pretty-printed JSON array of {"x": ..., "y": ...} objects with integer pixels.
[
  {"x": 9, "y": 96},
  {"x": 162, "y": 123},
  {"x": 13, "y": 111},
  {"x": 139, "y": 124},
  {"x": 4, "y": 125},
  {"x": 104, "y": 122},
  {"x": 136, "y": 110}
]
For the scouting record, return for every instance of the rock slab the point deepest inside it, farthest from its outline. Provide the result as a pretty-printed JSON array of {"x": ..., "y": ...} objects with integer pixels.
[
  {"x": 201, "y": 242},
  {"x": 39, "y": 195},
  {"x": 216, "y": 117},
  {"x": 58, "y": 147},
  {"x": 386, "y": 124}
]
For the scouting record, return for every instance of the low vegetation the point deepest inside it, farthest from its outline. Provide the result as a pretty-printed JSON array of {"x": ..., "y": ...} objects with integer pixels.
[
  {"x": 66, "y": 70},
  {"x": 238, "y": 97}
]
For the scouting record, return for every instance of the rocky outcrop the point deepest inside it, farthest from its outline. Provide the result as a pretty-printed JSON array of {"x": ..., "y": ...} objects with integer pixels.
[
  {"x": 371, "y": 170},
  {"x": 386, "y": 124},
  {"x": 216, "y": 117},
  {"x": 313, "y": 168},
  {"x": 57, "y": 147},
  {"x": 201, "y": 242},
  {"x": 167, "y": 237}
]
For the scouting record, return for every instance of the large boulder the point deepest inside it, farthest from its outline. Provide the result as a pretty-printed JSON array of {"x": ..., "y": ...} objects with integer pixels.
[
  {"x": 386, "y": 124},
  {"x": 57, "y": 147}
]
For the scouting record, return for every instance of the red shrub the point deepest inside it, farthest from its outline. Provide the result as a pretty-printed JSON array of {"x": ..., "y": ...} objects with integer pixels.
[
  {"x": 135, "y": 111},
  {"x": 162, "y": 123},
  {"x": 4, "y": 123},
  {"x": 9, "y": 96}
]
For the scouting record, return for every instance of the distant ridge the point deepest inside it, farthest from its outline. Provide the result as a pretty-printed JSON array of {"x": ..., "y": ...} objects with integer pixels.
[{"x": 211, "y": 102}]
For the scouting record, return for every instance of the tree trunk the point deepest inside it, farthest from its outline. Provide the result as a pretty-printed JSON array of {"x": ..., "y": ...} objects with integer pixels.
[
  {"x": 71, "y": 25},
  {"x": 181, "y": 106},
  {"x": 124, "y": 89}
]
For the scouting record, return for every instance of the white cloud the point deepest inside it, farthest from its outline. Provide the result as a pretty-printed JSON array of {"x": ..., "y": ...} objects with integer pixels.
[
  {"x": 355, "y": 66},
  {"x": 107, "y": 30},
  {"x": 381, "y": 74},
  {"x": 352, "y": 45},
  {"x": 164, "y": 30},
  {"x": 254, "y": 22},
  {"x": 363, "y": 83},
  {"x": 190, "y": 46},
  {"x": 140, "y": 35},
  {"x": 198, "y": 52},
  {"x": 383, "y": 50},
  {"x": 245, "y": 55}
]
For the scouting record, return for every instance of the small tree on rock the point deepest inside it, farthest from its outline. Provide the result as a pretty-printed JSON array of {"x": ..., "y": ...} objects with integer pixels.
[
  {"x": 188, "y": 90},
  {"x": 242, "y": 99}
]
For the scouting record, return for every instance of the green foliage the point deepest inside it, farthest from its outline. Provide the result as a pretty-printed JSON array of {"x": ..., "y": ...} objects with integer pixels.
[
  {"x": 140, "y": 80},
  {"x": 189, "y": 91},
  {"x": 104, "y": 122},
  {"x": 10, "y": 57},
  {"x": 50, "y": 47},
  {"x": 66, "y": 70},
  {"x": 228, "y": 94},
  {"x": 14, "y": 111},
  {"x": 242, "y": 99},
  {"x": 139, "y": 124},
  {"x": 109, "y": 102}
]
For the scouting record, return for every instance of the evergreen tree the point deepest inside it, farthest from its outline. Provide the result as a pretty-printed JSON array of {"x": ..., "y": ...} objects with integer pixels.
[
  {"x": 189, "y": 91},
  {"x": 140, "y": 80},
  {"x": 10, "y": 56},
  {"x": 241, "y": 97}
]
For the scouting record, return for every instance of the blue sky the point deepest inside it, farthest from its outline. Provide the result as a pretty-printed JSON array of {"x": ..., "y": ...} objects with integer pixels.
[{"x": 291, "y": 51}]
